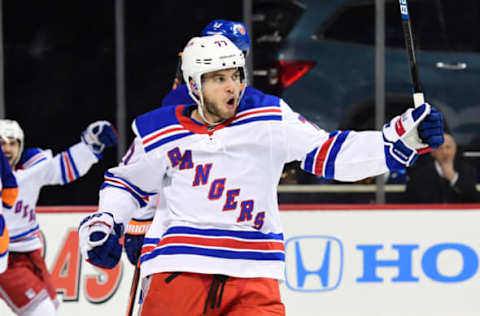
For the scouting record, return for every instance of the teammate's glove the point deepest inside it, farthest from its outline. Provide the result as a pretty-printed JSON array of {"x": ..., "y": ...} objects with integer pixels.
[
  {"x": 99, "y": 240},
  {"x": 99, "y": 135},
  {"x": 134, "y": 236},
  {"x": 4, "y": 241},
  {"x": 417, "y": 131}
]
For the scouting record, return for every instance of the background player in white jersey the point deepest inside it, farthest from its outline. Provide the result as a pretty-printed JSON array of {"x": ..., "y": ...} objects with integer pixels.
[
  {"x": 218, "y": 162},
  {"x": 26, "y": 286}
]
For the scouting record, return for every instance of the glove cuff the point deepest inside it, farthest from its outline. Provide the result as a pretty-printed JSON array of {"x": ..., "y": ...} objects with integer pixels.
[{"x": 138, "y": 226}]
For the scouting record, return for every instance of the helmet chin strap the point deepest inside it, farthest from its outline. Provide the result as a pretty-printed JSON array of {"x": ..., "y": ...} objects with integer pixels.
[{"x": 202, "y": 114}]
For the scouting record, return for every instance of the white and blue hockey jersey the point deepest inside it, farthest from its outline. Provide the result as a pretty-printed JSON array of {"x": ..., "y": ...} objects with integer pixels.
[
  {"x": 39, "y": 168},
  {"x": 220, "y": 184}
]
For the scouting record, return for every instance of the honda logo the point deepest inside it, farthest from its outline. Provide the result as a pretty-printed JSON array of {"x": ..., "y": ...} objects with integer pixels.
[{"x": 313, "y": 263}]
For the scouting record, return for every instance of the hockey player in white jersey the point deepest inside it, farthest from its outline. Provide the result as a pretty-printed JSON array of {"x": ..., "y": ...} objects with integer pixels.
[
  {"x": 26, "y": 286},
  {"x": 218, "y": 162}
]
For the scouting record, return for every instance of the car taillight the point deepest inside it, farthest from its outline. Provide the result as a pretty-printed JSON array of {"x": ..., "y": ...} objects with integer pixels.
[{"x": 291, "y": 71}]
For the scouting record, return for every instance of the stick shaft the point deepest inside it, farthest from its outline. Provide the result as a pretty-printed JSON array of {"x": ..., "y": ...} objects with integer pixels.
[
  {"x": 133, "y": 291},
  {"x": 408, "y": 37}
]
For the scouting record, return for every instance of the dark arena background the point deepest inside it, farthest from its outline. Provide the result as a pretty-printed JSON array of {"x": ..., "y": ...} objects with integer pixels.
[{"x": 60, "y": 69}]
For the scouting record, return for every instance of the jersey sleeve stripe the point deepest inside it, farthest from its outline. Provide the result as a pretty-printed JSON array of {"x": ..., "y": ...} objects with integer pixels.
[
  {"x": 74, "y": 166},
  {"x": 330, "y": 166},
  {"x": 62, "y": 169},
  {"x": 309, "y": 160},
  {"x": 140, "y": 201},
  {"x": 68, "y": 169},
  {"x": 321, "y": 156}
]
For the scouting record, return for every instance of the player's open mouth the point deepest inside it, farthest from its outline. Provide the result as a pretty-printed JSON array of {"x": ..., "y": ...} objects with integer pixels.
[{"x": 231, "y": 101}]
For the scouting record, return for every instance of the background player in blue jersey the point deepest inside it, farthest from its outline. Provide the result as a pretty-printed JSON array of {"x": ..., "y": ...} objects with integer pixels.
[{"x": 8, "y": 193}]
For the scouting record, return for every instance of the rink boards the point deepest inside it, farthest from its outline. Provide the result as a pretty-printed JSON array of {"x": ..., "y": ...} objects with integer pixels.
[{"x": 341, "y": 260}]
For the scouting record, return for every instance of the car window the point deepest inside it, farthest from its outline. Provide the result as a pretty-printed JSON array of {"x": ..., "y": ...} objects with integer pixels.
[
  {"x": 444, "y": 25},
  {"x": 274, "y": 19}
]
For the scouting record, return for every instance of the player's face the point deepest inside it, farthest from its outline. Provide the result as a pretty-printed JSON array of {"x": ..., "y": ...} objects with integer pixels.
[
  {"x": 11, "y": 149},
  {"x": 221, "y": 90}
]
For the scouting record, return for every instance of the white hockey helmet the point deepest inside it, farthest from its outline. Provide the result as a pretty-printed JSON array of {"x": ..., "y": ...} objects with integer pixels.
[
  {"x": 207, "y": 54},
  {"x": 11, "y": 129}
]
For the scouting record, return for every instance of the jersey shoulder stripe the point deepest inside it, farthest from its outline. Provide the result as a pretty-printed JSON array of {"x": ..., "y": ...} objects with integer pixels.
[
  {"x": 257, "y": 106},
  {"x": 159, "y": 127},
  {"x": 113, "y": 181},
  {"x": 33, "y": 156}
]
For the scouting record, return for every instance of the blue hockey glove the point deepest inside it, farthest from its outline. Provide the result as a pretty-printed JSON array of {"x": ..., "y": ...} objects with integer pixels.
[
  {"x": 133, "y": 247},
  {"x": 99, "y": 240},
  {"x": 134, "y": 236},
  {"x": 99, "y": 135},
  {"x": 417, "y": 131},
  {"x": 431, "y": 130}
]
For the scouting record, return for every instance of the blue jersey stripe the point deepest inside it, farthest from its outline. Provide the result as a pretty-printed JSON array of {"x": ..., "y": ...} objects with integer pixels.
[
  {"x": 151, "y": 241},
  {"x": 222, "y": 233},
  {"x": 259, "y": 118},
  {"x": 332, "y": 134},
  {"x": 330, "y": 166},
  {"x": 74, "y": 166},
  {"x": 165, "y": 140},
  {"x": 62, "y": 168},
  {"x": 217, "y": 253},
  {"x": 310, "y": 160},
  {"x": 135, "y": 196},
  {"x": 137, "y": 190},
  {"x": 25, "y": 234},
  {"x": 38, "y": 161}
]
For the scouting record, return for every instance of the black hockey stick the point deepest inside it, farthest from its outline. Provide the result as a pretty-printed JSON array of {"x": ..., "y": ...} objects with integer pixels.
[
  {"x": 133, "y": 291},
  {"x": 418, "y": 97}
]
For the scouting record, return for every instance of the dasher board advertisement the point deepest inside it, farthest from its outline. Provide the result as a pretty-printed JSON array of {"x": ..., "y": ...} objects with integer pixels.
[{"x": 343, "y": 260}]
